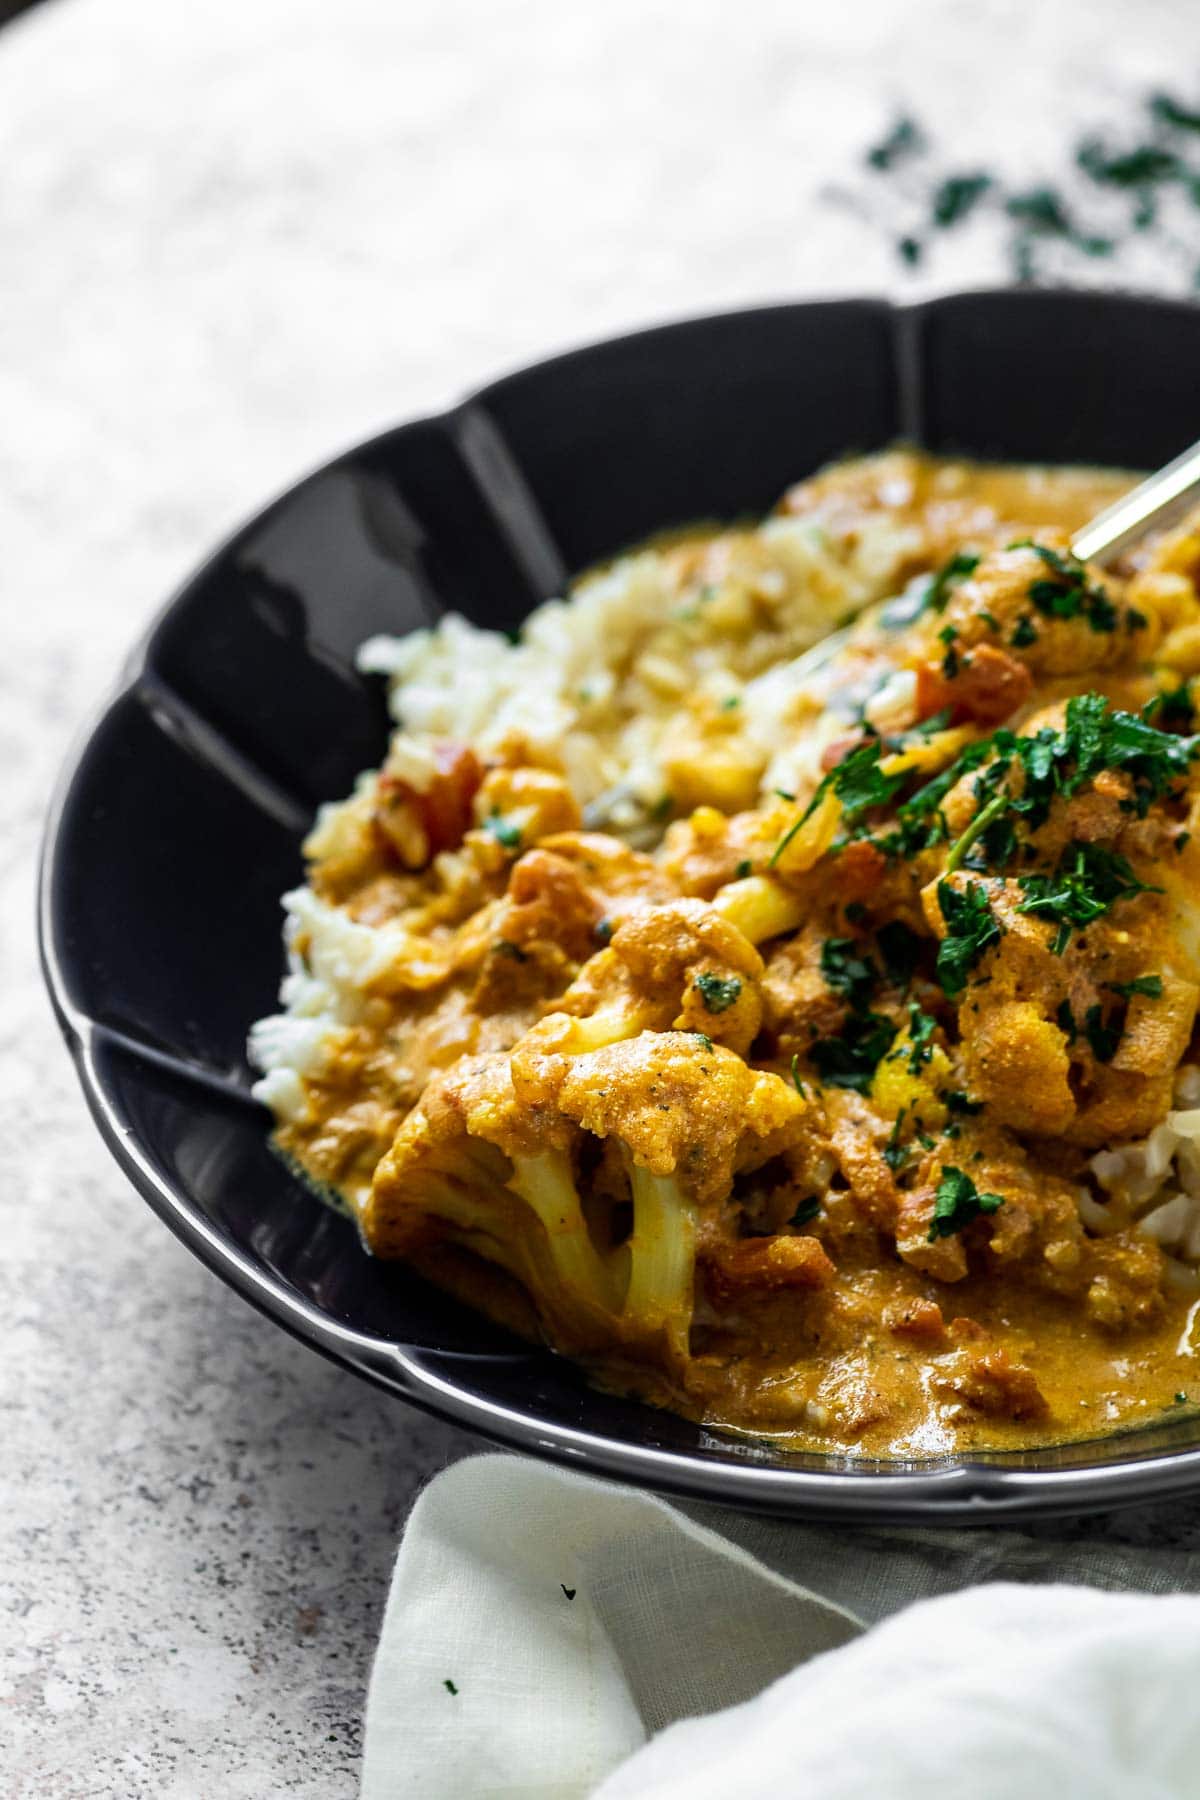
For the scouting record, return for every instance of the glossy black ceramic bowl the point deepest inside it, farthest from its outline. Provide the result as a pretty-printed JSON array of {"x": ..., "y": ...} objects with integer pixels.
[{"x": 179, "y": 824}]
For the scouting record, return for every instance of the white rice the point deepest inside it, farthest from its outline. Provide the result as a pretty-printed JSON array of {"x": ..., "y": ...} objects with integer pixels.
[
  {"x": 595, "y": 682},
  {"x": 1155, "y": 1182}
]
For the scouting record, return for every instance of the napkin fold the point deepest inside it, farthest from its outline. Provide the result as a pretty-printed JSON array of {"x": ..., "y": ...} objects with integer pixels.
[{"x": 551, "y": 1635}]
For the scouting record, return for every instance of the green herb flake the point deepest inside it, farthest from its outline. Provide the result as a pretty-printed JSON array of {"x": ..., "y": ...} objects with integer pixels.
[
  {"x": 847, "y": 971},
  {"x": 957, "y": 1101},
  {"x": 1064, "y": 1018},
  {"x": 1087, "y": 883},
  {"x": 895, "y": 1154},
  {"x": 1168, "y": 111},
  {"x": 743, "y": 869},
  {"x": 1103, "y": 1035},
  {"x": 1024, "y": 633},
  {"x": 718, "y": 992},
  {"x": 796, "y": 1081},
  {"x": 942, "y": 584},
  {"x": 806, "y": 1212},
  {"x": 851, "y": 1059},
  {"x": 1040, "y": 210},
  {"x": 970, "y": 930},
  {"x": 905, "y": 139},
  {"x": 1173, "y": 710},
  {"x": 900, "y": 948},
  {"x": 1066, "y": 593},
  {"x": 857, "y": 781},
  {"x": 1149, "y": 985},
  {"x": 921, "y": 1027},
  {"x": 957, "y": 196},
  {"x": 1144, "y": 166},
  {"x": 449, "y": 1686},
  {"x": 706, "y": 1042},
  {"x": 957, "y": 1202},
  {"x": 506, "y": 834}
]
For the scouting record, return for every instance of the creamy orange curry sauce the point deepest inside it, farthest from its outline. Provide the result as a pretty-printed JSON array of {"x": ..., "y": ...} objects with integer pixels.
[{"x": 827, "y": 1113}]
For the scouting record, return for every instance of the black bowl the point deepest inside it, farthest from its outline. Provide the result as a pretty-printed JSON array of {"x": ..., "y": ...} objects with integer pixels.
[{"x": 178, "y": 825}]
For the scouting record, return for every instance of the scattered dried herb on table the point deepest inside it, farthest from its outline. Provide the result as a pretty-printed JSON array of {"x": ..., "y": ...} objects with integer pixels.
[{"x": 1113, "y": 192}]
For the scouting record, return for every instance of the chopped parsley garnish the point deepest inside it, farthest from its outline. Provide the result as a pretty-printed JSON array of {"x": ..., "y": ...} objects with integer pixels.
[
  {"x": 1150, "y": 985},
  {"x": 947, "y": 635},
  {"x": 956, "y": 197},
  {"x": 806, "y": 1212},
  {"x": 895, "y": 1154},
  {"x": 1172, "y": 711},
  {"x": 904, "y": 139},
  {"x": 942, "y": 585},
  {"x": 857, "y": 781},
  {"x": 1040, "y": 210},
  {"x": 1088, "y": 881},
  {"x": 921, "y": 1027},
  {"x": 900, "y": 948},
  {"x": 979, "y": 827},
  {"x": 603, "y": 929},
  {"x": 569, "y": 1592},
  {"x": 718, "y": 992},
  {"x": 848, "y": 972},
  {"x": 449, "y": 1686},
  {"x": 1103, "y": 1035},
  {"x": 1048, "y": 763},
  {"x": 1066, "y": 593},
  {"x": 1182, "y": 118},
  {"x": 730, "y": 702},
  {"x": 851, "y": 1059},
  {"x": 957, "y": 1202},
  {"x": 1024, "y": 633},
  {"x": 706, "y": 1042},
  {"x": 970, "y": 930},
  {"x": 742, "y": 869},
  {"x": 1141, "y": 167},
  {"x": 957, "y": 1101},
  {"x": 504, "y": 831},
  {"x": 1064, "y": 1018}
]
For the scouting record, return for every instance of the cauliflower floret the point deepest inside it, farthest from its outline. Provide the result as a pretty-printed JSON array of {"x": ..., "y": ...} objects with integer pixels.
[
  {"x": 1061, "y": 617},
  {"x": 680, "y": 1115},
  {"x": 679, "y": 966}
]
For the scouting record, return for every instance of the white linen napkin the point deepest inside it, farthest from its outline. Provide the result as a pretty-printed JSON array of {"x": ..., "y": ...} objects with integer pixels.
[{"x": 542, "y": 1627}]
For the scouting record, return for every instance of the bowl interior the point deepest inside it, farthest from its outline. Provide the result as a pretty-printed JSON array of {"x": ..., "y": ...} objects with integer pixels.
[{"x": 180, "y": 825}]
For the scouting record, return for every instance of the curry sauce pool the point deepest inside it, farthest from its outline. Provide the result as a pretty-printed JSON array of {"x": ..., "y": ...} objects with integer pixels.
[{"x": 798, "y": 1034}]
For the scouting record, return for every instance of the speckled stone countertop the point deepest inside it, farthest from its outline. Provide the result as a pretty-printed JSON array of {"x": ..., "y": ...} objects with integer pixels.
[{"x": 233, "y": 238}]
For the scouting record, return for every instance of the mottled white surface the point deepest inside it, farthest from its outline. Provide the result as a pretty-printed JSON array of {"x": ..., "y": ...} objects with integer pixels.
[{"x": 233, "y": 237}]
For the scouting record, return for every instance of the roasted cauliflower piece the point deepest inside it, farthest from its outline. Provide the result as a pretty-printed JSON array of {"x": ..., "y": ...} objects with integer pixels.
[{"x": 678, "y": 1116}]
